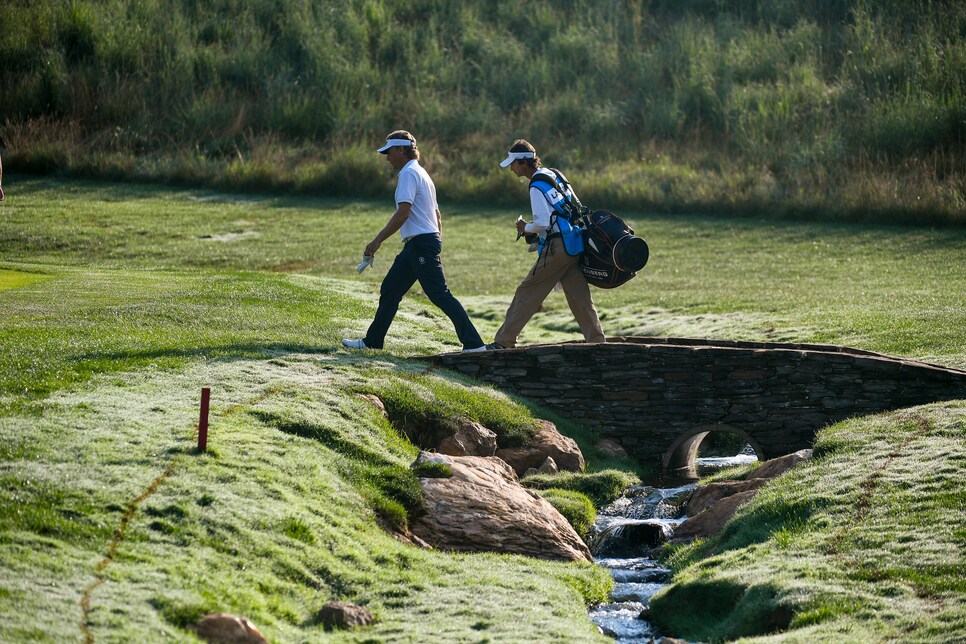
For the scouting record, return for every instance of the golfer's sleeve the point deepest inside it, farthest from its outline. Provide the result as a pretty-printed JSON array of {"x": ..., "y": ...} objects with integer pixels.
[{"x": 406, "y": 188}]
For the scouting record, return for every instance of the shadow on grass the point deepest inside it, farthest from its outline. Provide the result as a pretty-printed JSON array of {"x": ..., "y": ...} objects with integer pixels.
[
  {"x": 720, "y": 610},
  {"x": 222, "y": 352},
  {"x": 328, "y": 436},
  {"x": 390, "y": 489},
  {"x": 125, "y": 189}
]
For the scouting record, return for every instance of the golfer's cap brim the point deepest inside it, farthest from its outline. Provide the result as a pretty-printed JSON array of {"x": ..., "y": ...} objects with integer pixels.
[
  {"x": 391, "y": 143},
  {"x": 515, "y": 156}
]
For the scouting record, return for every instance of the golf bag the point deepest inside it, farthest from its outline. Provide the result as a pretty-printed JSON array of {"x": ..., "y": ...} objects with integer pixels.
[{"x": 612, "y": 253}]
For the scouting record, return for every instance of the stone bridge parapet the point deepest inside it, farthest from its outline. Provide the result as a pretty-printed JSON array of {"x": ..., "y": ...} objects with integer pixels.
[{"x": 659, "y": 397}]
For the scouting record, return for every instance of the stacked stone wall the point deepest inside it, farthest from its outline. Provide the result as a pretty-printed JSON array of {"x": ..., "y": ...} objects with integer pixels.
[{"x": 648, "y": 393}]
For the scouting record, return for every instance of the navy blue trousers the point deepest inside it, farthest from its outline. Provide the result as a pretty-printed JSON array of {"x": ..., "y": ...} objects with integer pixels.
[{"x": 419, "y": 260}]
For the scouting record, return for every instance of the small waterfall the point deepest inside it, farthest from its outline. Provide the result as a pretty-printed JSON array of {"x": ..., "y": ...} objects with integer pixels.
[{"x": 626, "y": 539}]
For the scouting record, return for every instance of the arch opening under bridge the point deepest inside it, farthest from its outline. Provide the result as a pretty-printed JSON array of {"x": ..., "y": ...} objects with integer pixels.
[{"x": 681, "y": 457}]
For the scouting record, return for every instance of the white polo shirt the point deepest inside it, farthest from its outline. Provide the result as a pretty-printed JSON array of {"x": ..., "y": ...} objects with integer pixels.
[{"x": 416, "y": 187}]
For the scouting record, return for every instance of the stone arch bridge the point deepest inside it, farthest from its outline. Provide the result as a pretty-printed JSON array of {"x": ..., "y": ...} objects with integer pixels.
[{"x": 659, "y": 397}]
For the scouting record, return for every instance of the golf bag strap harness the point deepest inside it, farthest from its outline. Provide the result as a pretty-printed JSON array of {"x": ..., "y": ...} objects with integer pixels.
[
  {"x": 567, "y": 211},
  {"x": 558, "y": 193}
]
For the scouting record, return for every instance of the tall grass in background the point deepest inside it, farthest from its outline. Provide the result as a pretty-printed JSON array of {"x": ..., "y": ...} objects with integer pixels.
[{"x": 839, "y": 109}]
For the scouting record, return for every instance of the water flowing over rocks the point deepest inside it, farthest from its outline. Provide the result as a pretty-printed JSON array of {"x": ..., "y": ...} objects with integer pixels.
[
  {"x": 629, "y": 533},
  {"x": 646, "y": 502},
  {"x": 483, "y": 507},
  {"x": 625, "y": 539},
  {"x": 547, "y": 442}
]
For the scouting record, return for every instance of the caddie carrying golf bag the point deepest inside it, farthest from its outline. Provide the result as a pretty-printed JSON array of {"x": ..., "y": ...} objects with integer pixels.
[{"x": 612, "y": 253}]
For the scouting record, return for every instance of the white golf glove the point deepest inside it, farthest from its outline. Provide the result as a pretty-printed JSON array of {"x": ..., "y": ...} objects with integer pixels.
[{"x": 365, "y": 263}]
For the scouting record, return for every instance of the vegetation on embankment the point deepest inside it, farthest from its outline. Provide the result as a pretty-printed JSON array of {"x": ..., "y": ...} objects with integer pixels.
[
  {"x": 577, "y": 508},
  {"x": 601, "y": 487},
  {"x": 112, "y": 524},
  {"x": 865, "y": 542},
  {"x": 852, "y": 109},
  {"x": 428, "y": 409}
]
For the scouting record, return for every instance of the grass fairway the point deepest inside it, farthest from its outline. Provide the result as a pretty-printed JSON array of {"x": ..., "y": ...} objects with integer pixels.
[
  {"x": 899, "y": 290},
  {"x": 127, "y": 299}
]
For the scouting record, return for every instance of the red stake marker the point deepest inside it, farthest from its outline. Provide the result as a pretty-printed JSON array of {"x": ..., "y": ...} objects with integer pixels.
[{"x": 203, "y": 420}]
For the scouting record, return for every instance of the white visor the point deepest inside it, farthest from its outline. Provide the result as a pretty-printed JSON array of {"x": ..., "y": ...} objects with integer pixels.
[
  {"x": 390, "y": 143},
  {"x": 513, "y": 156}
]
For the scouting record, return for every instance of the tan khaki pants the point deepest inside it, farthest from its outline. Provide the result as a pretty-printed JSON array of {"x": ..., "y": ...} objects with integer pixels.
[{"x": 553, "y": 266}]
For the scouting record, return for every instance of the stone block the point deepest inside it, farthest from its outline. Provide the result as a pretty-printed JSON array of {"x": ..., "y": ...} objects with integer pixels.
[
  {"x": 747, "y": 374},
  {"x": 880, "y": 386},
  {"x": 550, "y": 358},
  {"x": 623, "y": 395},
  {"x": 836, "y": 403},
  {"x": 546, "y": 350}
]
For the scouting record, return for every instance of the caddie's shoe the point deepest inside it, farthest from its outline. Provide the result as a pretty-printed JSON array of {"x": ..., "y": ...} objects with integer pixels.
[
  {"x": 494, "y": 346},
  {"x": 482, "y": 347},
  {"x": 354, "y": 344}
]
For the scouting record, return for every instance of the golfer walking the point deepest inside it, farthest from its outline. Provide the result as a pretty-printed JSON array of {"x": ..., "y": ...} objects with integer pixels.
[
  {"x": 418, "y": 220},
  {"x": 554, "y": 264}
]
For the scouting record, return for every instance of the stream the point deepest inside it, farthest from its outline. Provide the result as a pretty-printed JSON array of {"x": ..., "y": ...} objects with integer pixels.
[{"x": 626, "y": 539}]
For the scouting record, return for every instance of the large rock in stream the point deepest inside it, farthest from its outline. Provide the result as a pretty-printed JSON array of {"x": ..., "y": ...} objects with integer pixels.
[
  {"x": 547, "y": 442},
  {"x": 471, "y": 439},
  {"x": 483, "y": 507}
]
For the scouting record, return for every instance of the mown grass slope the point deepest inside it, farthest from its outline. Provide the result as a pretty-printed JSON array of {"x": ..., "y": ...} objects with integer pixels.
[
  {"x": 120, "y": 302},
  {"x": 863, "y": 543},
  {"x": 113, "y": 527},
  {"x": 885, "y": 288}
]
